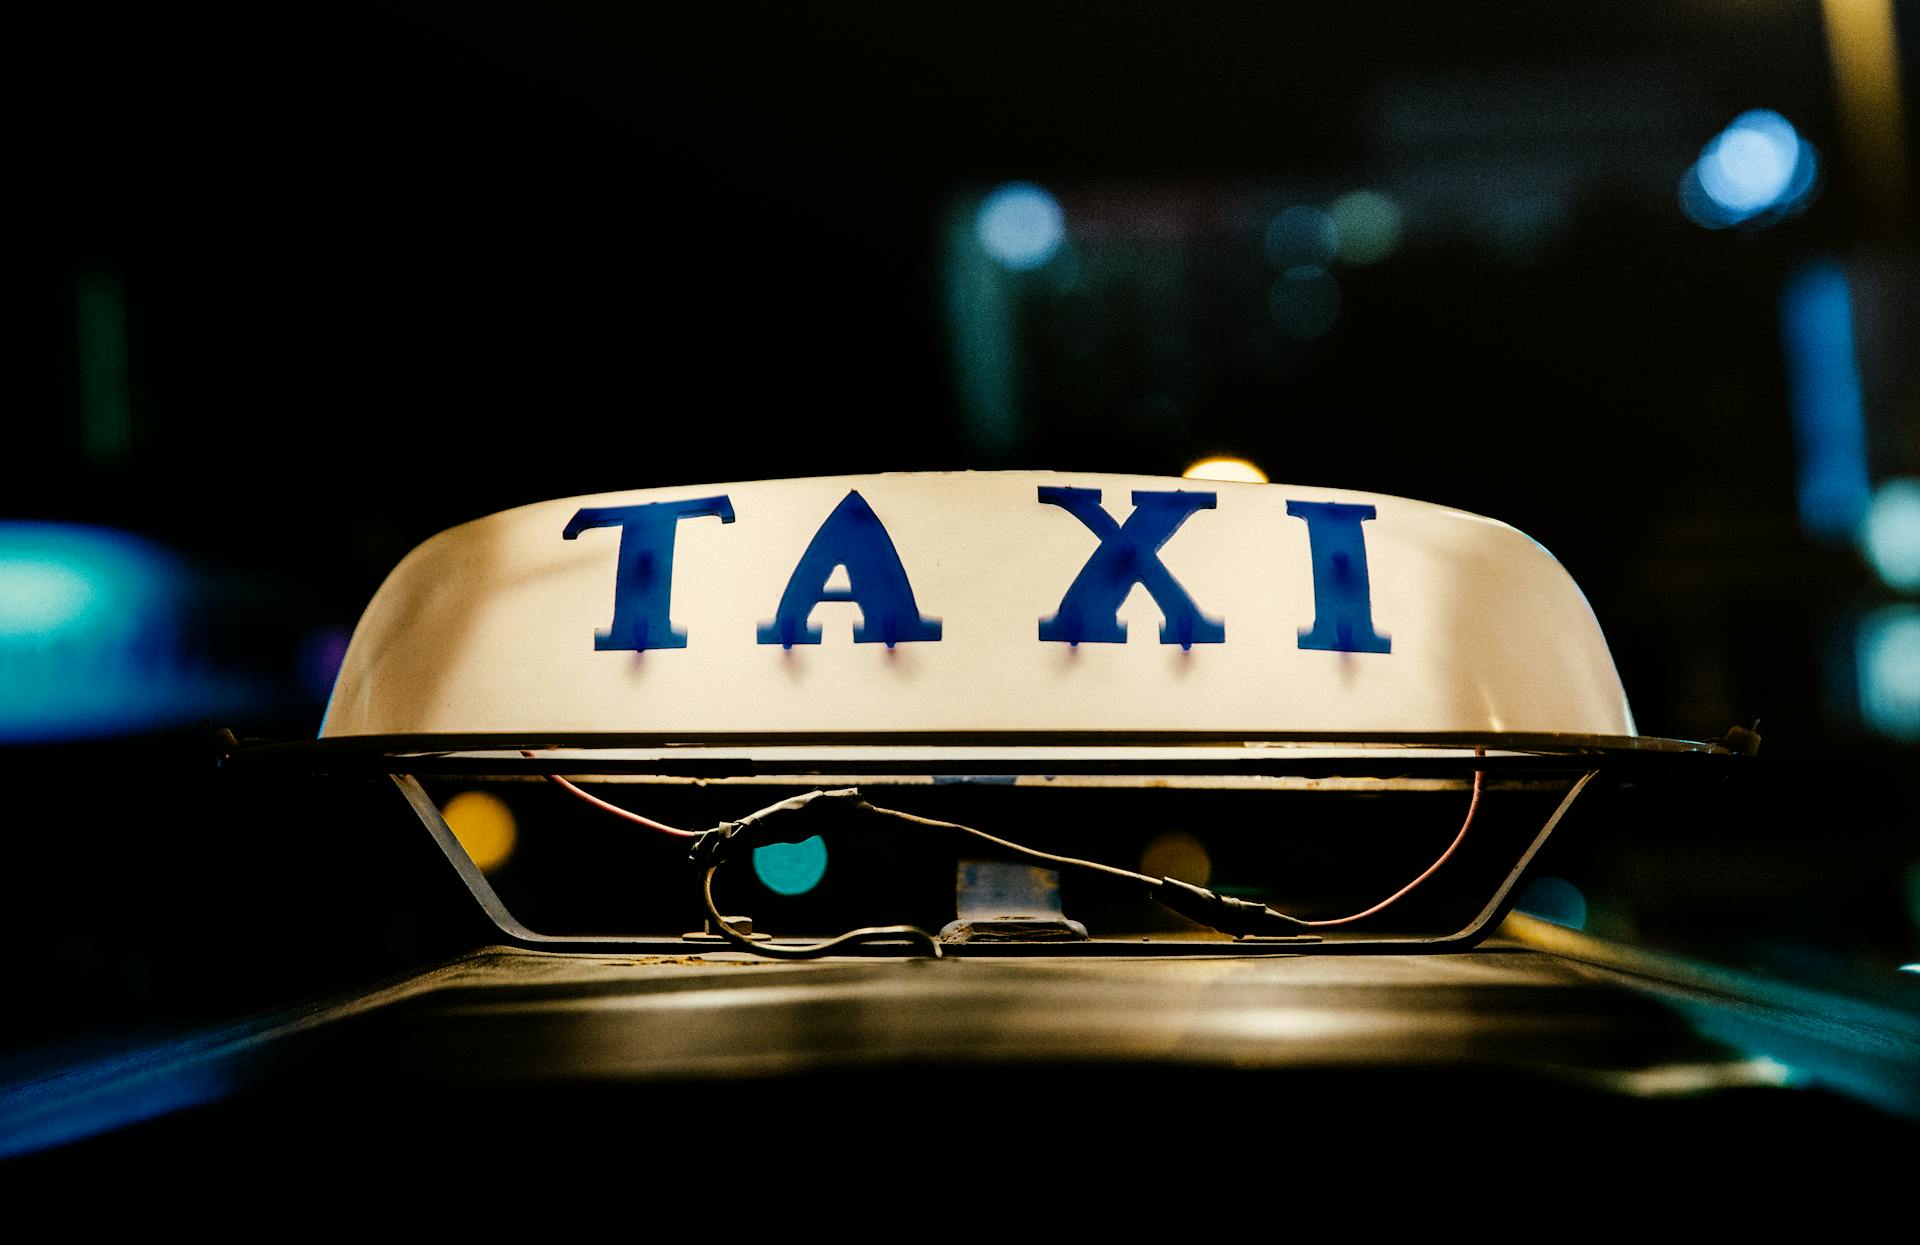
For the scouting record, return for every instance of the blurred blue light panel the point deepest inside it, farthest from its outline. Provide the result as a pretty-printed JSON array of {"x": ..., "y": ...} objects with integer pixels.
[
  {"x": 1888, "y": 652},
  {"x": 1021, "y": 226},
  {"x": 89, "y": 633},
  {"x": 1890, "y": 538},
  {"x": 1823, "y": 391},
  {"x": 1756, "y": 171},
  {"x": 791, "y": 868}
]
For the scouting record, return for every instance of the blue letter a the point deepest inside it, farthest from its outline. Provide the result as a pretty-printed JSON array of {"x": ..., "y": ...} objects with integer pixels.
[
  {"x": 1129, "y": 554},
  {"x": 643, "y": 580},
  {"x": 852, "y": 537}
]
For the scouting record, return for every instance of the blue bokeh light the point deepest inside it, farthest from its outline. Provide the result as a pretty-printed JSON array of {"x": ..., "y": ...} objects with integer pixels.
[
  {"x": 1305, "y": 302},
  {"x": 1751, "y": 163},
  {"x": 1021, "y": 226},
  {"x": 791, "y": 868},
  {"x": 1754, "y": 172},
  {"x": 1823, "y": 396},
  {"x": 1302, "y": 235}
]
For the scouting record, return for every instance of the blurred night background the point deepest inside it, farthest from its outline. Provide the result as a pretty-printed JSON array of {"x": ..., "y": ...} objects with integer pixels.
[{"x": 291, "y": 289}]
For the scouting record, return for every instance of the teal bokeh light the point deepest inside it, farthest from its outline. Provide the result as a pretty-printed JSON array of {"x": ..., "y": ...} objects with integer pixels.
[
  {"x": 1556, "y": 900},
  {"x": 791, "y": 868},
  {"x": 1889, "y": 672},
  {"x": 92, "y": 639},
  {"x": 62, "y": 580},
  {"x": 1890, "y": 536}
]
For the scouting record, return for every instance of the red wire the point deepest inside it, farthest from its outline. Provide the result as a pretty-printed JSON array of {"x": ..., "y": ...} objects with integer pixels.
[
  {"x": 615, "y": 809},
  {"x": 1473, "y": 806}
]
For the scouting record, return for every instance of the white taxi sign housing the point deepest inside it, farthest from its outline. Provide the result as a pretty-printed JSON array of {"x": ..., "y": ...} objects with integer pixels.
[{"x": 1001, "y": 603}]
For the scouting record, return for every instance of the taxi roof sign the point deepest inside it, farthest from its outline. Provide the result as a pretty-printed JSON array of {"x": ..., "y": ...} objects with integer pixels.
[{"x": 1000, "y": 603}]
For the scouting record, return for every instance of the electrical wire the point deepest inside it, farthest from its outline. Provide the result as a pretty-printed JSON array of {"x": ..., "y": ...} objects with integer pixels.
[
  {"x": 1473, "y": 806},
  {"x": 773, "y": 950},
  {"x": 1180, "y": 895},
  {"x": 615, "y": 809},
  {"x": 1034, "y": 854},
  {"x": 811, "y": 950}
]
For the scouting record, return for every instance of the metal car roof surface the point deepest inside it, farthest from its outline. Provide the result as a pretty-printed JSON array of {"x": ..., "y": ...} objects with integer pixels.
[{"x": 562, "y": 1045}]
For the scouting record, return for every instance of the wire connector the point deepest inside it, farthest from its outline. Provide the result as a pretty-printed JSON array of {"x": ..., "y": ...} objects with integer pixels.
[{"x": 1239, "y": 917}]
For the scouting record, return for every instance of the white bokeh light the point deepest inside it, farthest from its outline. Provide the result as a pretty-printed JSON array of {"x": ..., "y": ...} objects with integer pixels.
[
  {"x": 1890, "y": 537},
  {"x": 1021, "y": 226}
]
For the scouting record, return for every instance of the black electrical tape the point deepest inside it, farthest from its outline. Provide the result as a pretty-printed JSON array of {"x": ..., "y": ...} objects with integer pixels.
[
  {"x": 1239, "y": 917},
  {"x": 789, "y": 821}
]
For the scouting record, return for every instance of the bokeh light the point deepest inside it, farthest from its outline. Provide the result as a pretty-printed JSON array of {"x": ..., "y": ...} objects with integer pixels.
[
  {"x": 59, "y": 579},
  {"x": 1756, "y": 171},
  {"x": 1302, "y": 235},
  {"x": 1888, "y": 663},
  {"x": 1021, "y": 226},
  {"x": 791, "y": 868},
  {"x": 1237, "y": 470},
  {"x": 1890, "y": 537},
  {"x": 1368, "y": 225},
  {"x": 90, "y": 634},
  {"x": 1177, "y": 854},
  {"x": 39, "y": 595},
  {"x": 1526, "y": 226},
  {"x": 485, "y": 827},
  {"x": 1304, "y": 302},
  {"x": 1831, "y": 482},
  {"x": 1554, "y": 899},
  {"x": 318, "y": 662},
  {"x": 1751, "y": 164}
]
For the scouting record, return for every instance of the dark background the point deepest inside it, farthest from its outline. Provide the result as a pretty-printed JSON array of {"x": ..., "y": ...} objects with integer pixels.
[{"x": 358, "y": 273}]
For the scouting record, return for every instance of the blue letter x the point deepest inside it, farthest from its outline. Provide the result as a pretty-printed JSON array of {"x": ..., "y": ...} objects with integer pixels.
[{"x": 1129, "y": 554}]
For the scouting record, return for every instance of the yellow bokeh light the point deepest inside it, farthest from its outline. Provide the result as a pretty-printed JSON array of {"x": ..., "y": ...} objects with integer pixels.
[
  {"x": 485, "y": 827},
  {"x": 1862, "y": 40},
  {"x": 1177, "y": 854},
  {"x": 1237, "y": 470}
]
